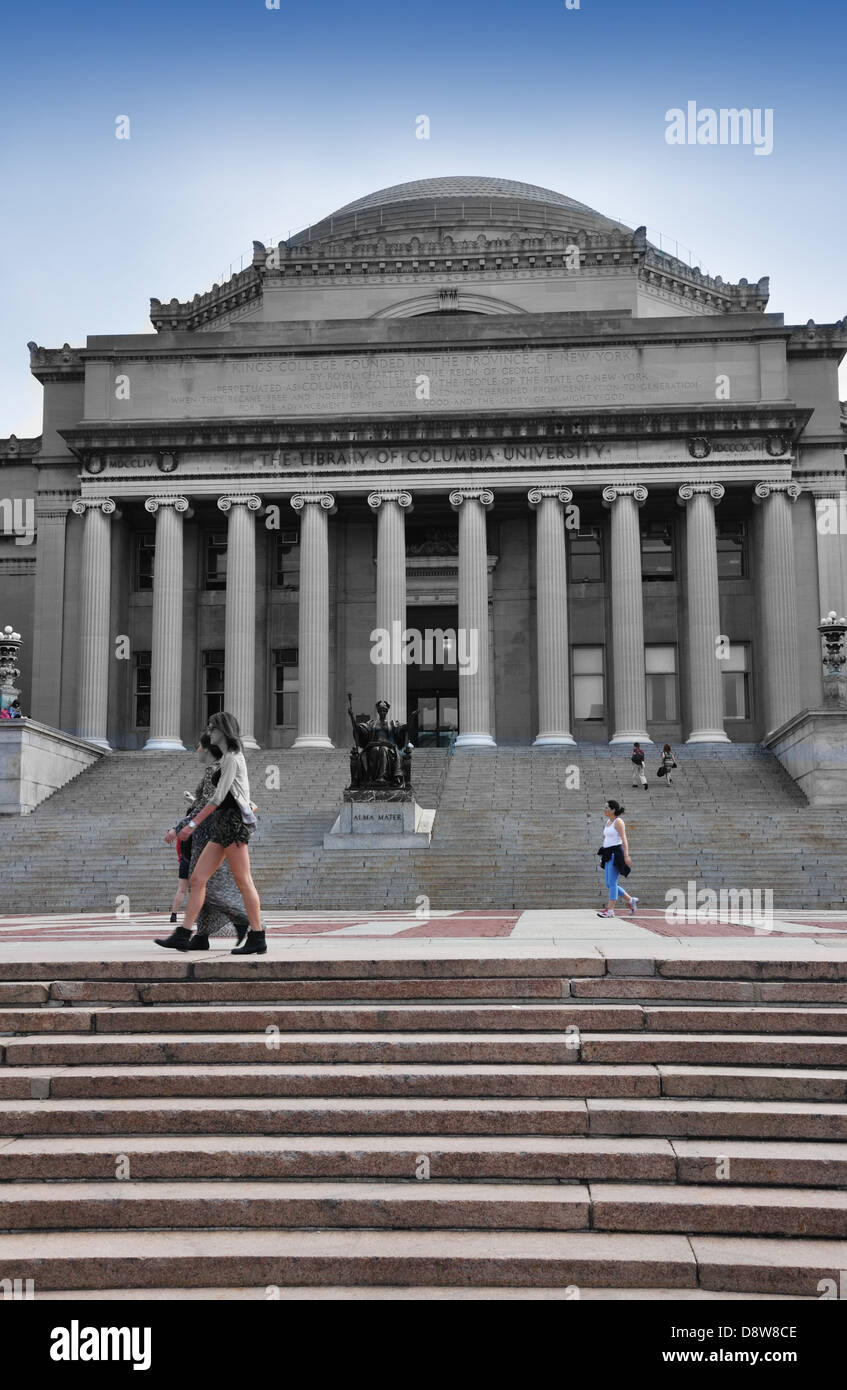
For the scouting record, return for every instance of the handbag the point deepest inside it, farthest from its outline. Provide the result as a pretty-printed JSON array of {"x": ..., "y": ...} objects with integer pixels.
[{"x": 662, "y": 772}]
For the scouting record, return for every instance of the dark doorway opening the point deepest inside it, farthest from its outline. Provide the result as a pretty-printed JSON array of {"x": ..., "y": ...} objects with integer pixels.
[{"x": 433, "y": 676}]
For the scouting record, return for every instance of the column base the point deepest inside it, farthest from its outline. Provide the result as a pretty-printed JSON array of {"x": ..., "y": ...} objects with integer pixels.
[
  {"x": 250, "y": 743},
  {"x": 98, "y": 742},
  {"x": 164, "y": 745},
  {"x": 553, "y": 741},
  {"x": 709, "y": 736},
  {"x": 634, "y": 737},
  {"x": 311, "y": 741},
  {"x": 475, "y": 741}
]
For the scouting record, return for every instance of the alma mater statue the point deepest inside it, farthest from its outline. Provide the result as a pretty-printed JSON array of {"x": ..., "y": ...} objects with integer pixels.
[{"x": 381, "y": 752}]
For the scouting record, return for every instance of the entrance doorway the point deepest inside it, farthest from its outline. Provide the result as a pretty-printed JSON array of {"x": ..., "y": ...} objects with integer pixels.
[{"x": 433, "y": 677}]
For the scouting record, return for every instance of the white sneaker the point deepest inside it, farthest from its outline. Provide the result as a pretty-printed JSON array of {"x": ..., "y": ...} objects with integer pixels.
[{"x": 633, "y": 903}]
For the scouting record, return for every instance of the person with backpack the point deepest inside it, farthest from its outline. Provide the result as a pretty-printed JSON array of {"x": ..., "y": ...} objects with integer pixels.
[
  {"x": 638, "y": 773},
  {"x": 668, "y": 764}
]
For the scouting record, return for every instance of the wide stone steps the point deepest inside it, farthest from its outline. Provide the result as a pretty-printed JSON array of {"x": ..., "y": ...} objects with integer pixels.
[
  {"x": 163, "y": 1049},
  {"x": 391, "y": 1115},
  {"x": 504, "y": 816},
  {"x": 384, "y": 1079},
  {"x": 479, "y": 1120},
  {"x": 430, "y": 1205},
  {"x": 256, "y": 1258},
  {"x": 568, "y": 1158}
]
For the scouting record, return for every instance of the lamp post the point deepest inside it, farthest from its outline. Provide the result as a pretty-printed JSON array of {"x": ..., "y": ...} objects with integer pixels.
[
  {"x": 10, "y": 646},
  {"x": 832, "y": 630}
]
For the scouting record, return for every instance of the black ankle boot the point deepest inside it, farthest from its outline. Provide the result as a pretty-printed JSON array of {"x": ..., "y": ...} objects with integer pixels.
[
  {"x": 178, "y": 939},
  {"x": 241, "y": 932},
  {"x": 255, "y": 945},
  {"x": 198, "y": 942}
]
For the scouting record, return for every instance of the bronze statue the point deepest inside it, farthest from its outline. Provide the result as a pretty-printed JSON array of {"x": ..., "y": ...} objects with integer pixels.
[{"x": 381, "y": 752}]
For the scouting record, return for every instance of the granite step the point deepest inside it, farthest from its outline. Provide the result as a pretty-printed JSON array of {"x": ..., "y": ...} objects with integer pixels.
[
  {"x": 424, "y": 1205},
  {"x": 514, "y": 1048},
  {"x": 502, "y": 1116},
  {"x": 281, "y": 1080},
  {"x": 719, "y": 1209},
  {"x": 569, "y": 1158},
  {"x": 155, "y": 1259},
  {"x": 410, "y": 1205}
]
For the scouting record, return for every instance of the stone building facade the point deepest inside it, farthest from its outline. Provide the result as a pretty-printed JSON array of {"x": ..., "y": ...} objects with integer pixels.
[{"x": 462, "y": 406}]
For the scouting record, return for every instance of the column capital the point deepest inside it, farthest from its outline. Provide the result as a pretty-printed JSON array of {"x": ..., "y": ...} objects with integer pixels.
[
  {"x": 84, "y": 504},
  {"x": 325, "y": 500},
  {"x": 687, "y": 491},
  {"x": 615, "y": 490},
  {"x": 482, "y": 495},
  {"x": 398, "y": 495},
  {"x": 152, "y": 504},
  {"x": 762, "y": 491},
  {"x": 537, "y": 495},
  {"x": 249, "y": 500}
]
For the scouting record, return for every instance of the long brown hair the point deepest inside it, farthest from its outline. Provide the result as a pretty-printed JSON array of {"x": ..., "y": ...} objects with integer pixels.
[{"x": 229, "y": 727}]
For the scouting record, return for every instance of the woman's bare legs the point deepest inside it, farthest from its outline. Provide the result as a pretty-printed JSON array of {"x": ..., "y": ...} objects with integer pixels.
[
  {"x": 179, "y": 895},
  {"x": 238, "y": 857},
  {"x": 209, "y": 862}
]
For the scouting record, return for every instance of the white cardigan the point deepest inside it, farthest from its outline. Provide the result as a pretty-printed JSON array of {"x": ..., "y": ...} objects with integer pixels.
[{"x": 234, "y": 779}]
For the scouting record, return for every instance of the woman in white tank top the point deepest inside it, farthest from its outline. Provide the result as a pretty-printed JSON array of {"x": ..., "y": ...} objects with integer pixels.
[{"x": 614, "y": 857}]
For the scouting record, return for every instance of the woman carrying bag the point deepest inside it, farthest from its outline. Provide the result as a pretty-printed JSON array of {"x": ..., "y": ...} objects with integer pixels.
[{"x": 668, "y": 764}]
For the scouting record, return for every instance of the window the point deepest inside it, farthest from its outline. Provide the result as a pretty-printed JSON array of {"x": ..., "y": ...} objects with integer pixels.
[
  {"x": 216, "y": 560},
  {"x": 656, "y": 551},
  {"x": 213, "y": 682},
  {"x": 145, "y": 550},
  {"x": 735, "y": 670},
  {"x": 732, "y": 558},
  {"x": 585, "y": 557},
  {"x": 588, "y": 683},
  {"x": 287, "y": 572},
  {"x": 660, "y": 665},
  {"x": 286, "y": 686},
  {"x": 141, "y": 690}
]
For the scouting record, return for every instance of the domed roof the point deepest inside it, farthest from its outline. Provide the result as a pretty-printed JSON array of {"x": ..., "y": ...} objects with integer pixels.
[
  {"x": 458, "y": 200},
  {"x": 463, "y": 186}
]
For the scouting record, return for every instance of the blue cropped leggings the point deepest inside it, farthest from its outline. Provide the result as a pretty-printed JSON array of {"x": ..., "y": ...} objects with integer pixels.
[{"x": 611, "y": 875}]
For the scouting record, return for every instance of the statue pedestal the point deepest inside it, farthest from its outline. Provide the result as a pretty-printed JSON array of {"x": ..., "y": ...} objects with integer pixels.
[{"x": 377, "y": 818}]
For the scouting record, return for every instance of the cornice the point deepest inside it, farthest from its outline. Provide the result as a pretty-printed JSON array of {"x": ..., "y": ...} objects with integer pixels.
[
  {"x": 818, "y": 339},
  {"x": 56, "y": 364},
  {"x": 13, "y": 449},
  {"x": 536, "y": 251},
  {"x": 690, "y": 423}
]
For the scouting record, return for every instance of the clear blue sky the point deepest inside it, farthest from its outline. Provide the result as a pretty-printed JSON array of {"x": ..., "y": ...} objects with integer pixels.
[{"x": 247, "y": 122}]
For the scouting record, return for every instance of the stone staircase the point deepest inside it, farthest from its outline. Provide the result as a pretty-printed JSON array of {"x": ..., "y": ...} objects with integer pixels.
[
  {"x": 511, "y": 830},
  {"x": 354, "y": 1126}
]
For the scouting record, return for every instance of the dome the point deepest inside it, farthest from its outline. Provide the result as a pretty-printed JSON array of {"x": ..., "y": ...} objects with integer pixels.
[
  {"x": 469, "y": 201},
  {"x": 463, "y": 186}
]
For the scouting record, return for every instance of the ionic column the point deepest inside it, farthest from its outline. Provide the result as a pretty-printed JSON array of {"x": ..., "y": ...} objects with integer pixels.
[
  {"x": 314, "y": 508},
  {"x": 391, "y": 506},
  {"x": 705, "y": 686},
  {"x": 95, "y": 600},
  {"x": 779, "y": 613},
  {"x": 166, "y": 655},
  {"x": 627, "y": 613},
  {"x": 240, "y": 628},
  {"x": 474, "y": 688},
  {"x": 551, "y": 614}
]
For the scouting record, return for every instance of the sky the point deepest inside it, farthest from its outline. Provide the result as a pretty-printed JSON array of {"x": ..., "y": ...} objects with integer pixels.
[{"x": 247, "y": 122}]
